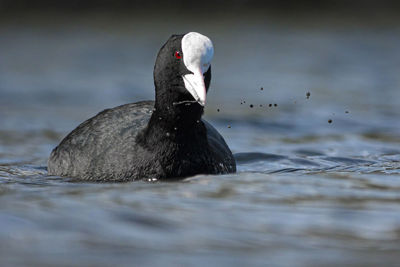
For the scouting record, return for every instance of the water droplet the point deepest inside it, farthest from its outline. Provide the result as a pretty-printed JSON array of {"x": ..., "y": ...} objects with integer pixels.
[{"x": 167, "y": 134}]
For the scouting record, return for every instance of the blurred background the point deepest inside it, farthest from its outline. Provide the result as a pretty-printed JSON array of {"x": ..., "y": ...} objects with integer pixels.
[
  {"x": 82, "y": 56},
  {"x": 310, "y": 88}
]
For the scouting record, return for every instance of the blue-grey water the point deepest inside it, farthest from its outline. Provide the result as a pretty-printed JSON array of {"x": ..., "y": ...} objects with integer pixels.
[{"x": 318, "y": 179}]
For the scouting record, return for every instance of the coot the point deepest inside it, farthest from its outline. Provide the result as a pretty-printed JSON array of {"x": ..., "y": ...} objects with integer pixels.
[{"x": 165, "y": 139}]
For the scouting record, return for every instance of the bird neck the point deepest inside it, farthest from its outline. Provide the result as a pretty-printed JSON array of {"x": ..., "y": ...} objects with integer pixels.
[
  {"x": 175, "y": 106},
  {"x": 176, "y": 123}
]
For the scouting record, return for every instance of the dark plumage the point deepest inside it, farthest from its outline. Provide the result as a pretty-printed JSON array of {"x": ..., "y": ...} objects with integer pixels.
[{"x": 162, "y": 139}]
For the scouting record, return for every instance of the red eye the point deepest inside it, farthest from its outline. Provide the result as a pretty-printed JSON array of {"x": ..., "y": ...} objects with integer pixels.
[{"x": 178, "y": 55}]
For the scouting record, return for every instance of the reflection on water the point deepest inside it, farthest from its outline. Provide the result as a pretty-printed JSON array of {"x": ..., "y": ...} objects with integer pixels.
[{"x": 308, "y": 192}]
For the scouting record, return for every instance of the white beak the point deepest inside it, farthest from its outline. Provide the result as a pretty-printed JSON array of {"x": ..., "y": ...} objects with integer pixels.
[
  {"x": 197, "y": 52},
  {"x": 194, "y": 83}
]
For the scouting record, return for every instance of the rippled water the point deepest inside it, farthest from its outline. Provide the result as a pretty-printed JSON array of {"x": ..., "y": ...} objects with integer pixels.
[{"x": 307, "y": 192}]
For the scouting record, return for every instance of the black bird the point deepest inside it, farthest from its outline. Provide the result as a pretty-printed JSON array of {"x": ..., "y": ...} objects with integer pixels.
[{"x": 165, "y": 139}]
